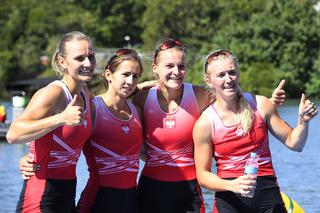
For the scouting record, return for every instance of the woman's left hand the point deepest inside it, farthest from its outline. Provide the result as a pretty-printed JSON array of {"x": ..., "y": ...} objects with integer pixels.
[{"x": 307, "y": 110}]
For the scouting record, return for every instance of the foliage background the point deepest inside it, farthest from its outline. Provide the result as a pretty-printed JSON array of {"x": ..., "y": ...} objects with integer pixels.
[{"x": 273, "y": 39}]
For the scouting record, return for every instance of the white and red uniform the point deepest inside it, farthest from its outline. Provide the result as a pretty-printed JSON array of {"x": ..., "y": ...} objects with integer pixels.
[
  {"x": 112, "y": 154},
  {"x": 169, "y": 138},
  {"x": 57, "y": 153},
  {"x": 169, "y": 167},
  {"x": 231, "y": 149}
]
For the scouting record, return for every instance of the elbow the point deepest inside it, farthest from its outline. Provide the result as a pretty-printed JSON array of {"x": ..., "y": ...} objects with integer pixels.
[
  {"x": 200, "y": 181},
  {"x": 10, "y": 138},
  {"x": 297, "y": 149}
]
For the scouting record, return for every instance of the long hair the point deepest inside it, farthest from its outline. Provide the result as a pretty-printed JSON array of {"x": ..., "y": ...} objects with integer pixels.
[{"x": 246, "y": 112}]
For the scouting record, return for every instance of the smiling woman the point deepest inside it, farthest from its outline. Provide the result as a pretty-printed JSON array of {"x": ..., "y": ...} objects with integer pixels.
[
  {"x": 232, "y": 127},
  {"x": 58, "y": 122}
]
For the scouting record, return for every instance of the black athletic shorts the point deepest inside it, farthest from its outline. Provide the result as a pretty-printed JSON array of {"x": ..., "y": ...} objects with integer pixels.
[
  {"x": 169, "y": 197},
  {"x": 266, "y": 199},
  {"x": 58, "y": 196},
  {"x": 113, "y": 200}
]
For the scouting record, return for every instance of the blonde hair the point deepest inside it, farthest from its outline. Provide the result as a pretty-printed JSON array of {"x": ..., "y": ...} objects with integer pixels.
[
  {"x": 61, "y": 49},
  {"x": 246, "y": 112}
]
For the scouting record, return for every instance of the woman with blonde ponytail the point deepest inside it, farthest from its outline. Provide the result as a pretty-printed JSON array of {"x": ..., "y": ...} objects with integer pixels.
[
  {"x": 233, "y": 126},
  {"x": 57, "y": 123}
]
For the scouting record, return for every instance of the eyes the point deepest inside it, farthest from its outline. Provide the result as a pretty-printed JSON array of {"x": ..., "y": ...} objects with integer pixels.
[
  {"x": 233, "y": 73},
  {"x": 171, "y": 66},
  {"x": 134, "y": 75},
  {"x": 81, "y": 58}
]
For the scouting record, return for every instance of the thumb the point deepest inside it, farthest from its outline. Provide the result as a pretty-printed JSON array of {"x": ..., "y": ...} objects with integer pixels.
[
  {"x": 281, "y": 84},
  {"x": 73, "y": 101},
  {"x": 302, "y": 100}
]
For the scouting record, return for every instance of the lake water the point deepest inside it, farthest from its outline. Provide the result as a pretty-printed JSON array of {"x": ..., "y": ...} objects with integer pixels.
[{"x": 298, "y": 173}]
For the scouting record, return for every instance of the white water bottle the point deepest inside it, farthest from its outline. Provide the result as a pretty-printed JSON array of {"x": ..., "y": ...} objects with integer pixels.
[{"x": 251, "y": 168}]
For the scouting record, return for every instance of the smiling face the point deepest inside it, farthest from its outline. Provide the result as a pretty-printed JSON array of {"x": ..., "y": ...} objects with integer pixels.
[
  {"x": 170, "y": 68},
  {"x": 79, "y": 61},
  {"x": 223, "y": 76},
  {"x": 123, "y": 81}
]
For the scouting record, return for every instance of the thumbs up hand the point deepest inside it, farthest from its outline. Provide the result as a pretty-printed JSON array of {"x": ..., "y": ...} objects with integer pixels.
[
  {"x": 279, "y": 95},
  {"x": 307, "y": 109},
  {"x": 73, "y": 115}
]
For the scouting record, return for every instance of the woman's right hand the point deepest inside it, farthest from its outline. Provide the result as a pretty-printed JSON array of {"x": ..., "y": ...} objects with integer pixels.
[
  {"x": 244, "y": 184},
  {"x": 27, "y": 167},
  {"x": 73, "y": 115}
]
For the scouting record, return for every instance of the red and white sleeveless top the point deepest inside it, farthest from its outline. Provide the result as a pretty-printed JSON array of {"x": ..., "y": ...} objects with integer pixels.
[
  {"x": 232, "y": 147},
  {"x": 115, "y": 146},
  {"x": 169, "y": 137},
  {"x": 58, "y": 151}
]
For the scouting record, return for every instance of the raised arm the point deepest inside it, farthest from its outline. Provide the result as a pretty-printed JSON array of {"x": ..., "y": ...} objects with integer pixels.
[
  {"x": 46, "y": 111},
  {"x": 294, "y": 138},
  {"x": 203, "y": 159}
]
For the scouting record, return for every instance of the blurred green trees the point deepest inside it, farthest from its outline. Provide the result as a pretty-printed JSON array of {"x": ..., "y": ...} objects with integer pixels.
[{"x": 273, "y": 39}]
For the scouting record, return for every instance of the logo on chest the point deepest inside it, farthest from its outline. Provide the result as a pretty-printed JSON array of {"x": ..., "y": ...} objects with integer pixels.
[
  {"x": 169, "y": 123},
  {"x": 125, "y": 128}
]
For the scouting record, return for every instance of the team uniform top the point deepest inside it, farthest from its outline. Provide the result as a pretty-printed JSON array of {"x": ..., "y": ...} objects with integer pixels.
[
  {"x": 115, "y": 146},
  {"x": 58, "y": 151},
  {"x": 112, "y": 154},
  {"x": 168, "y": 137},
  {"x": 232, "y": 147},
  {"x": 52, "y": 188}
]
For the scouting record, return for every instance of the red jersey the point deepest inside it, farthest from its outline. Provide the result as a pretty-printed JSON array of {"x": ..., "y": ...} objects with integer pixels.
[
  {"x": 112, "y": 154},
  {"x": 232, "y": 147},
  {"x": 57, "y": 153},
  {"x": 116, "y": 146},
  {"x": 169, "y": 137}
]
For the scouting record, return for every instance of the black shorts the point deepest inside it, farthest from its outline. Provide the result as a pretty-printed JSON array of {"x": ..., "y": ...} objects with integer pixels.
[
  {"x": 57, "y": 196},
  {"x": 113, "y": 200},
  {"x": 169, "y": 197},
  {"x": 266, "y": 199}
]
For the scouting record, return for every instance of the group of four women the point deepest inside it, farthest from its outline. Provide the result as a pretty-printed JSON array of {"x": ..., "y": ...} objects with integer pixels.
[{"x": 162, "y": 125}]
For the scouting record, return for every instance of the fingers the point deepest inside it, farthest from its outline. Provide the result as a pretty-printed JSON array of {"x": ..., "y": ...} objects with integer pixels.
[
  {"x": 73, "y": 115},
  {"x": 27, "y": 167},
  {"x": 245, "y": 184},
  {"x": 281, "y": 84},
  {"x": 279, "y": 95},
  {"x": 307, "y": 110},
  {"x": 27, "y": 175}
]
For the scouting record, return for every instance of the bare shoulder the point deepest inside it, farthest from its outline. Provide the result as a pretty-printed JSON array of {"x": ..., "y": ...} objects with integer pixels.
[
  {"x": 202, "y": 127},
  {"x": 140, "y": 97},
  {"x": 202, "y": 97},
  {"x": 46, "y": 101}
]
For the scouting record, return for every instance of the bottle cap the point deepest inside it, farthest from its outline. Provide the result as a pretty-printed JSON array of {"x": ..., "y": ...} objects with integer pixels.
[{"x": 253, "y": 154}]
